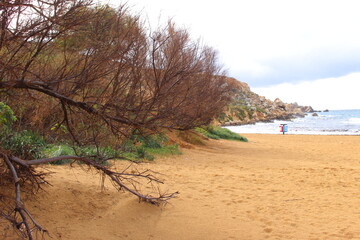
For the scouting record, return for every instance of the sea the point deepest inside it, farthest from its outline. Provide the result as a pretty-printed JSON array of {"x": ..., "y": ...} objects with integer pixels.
[{"x": 334, "y": 122}]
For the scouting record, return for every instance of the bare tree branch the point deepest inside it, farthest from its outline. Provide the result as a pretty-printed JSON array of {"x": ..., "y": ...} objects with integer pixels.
[{"x": 101, "y": 73}]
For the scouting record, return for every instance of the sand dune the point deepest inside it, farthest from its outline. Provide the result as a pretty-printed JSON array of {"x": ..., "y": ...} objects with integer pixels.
[{"x": 273, "y": 187}]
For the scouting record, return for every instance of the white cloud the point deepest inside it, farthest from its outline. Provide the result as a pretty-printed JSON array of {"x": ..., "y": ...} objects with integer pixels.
[
  {"x": 253, "y": 69},
  {"x": 330, "y": 93},
  {"x": 264, "y": 43},
  {"x": 262, "y": 30}
]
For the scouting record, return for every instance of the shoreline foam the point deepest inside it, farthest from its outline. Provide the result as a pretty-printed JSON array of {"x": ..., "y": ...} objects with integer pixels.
[{"x": 342, "y": 122}]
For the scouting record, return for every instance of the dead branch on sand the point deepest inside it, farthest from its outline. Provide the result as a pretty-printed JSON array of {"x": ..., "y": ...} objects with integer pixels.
[{"x": 22, "y": 171}]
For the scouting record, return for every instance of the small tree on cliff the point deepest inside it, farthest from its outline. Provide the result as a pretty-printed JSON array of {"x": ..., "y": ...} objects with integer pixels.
[{"x": 100, "y": 74}]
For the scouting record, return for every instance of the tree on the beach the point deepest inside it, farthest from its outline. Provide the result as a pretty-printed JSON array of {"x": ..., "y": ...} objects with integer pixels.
[{"x": 99, "y": 74}]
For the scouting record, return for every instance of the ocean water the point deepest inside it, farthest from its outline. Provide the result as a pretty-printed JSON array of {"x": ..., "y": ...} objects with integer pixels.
[{"x": 336, "y": 122}]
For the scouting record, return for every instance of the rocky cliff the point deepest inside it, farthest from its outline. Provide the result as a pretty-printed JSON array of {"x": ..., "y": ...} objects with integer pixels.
[{"x": 248, "y": 107}]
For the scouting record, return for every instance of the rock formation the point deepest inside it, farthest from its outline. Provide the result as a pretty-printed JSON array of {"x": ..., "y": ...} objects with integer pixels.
[{"x": 247, "y": 107}]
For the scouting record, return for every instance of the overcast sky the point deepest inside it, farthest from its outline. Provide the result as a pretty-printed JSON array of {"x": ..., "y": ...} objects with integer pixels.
[{"x": 305, "y": 51}]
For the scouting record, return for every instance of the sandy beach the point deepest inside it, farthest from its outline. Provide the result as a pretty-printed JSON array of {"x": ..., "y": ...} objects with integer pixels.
[{"x": 273, "y": 187}]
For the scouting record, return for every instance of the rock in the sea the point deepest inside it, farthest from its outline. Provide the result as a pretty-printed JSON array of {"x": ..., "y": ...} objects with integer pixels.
[
  {"x": 326, "y": 110},
  {"x": 315, "y": 115},
  {"x": 307, "y": 109}
]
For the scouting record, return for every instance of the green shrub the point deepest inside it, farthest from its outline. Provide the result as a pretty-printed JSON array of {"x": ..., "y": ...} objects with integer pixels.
[
  {"x": 220, "y": 133},
  {"x": 25, "y": 144},
  {"x": 165, "y": 150},
  {"x": 206, "y": 133},
  {"x": 7, "y": 117},
  {"x": 225, "y": 133},
  {"x": 145, "y": 147},
  {"x": 151, "y": 141},
  {"x": 101, "y": 154},
  {"x": 142, "y": 153},
  {"x": 58, "y": 150},
  {"x": 29, "y": 145},
  {"x": 128, "y": 146}
]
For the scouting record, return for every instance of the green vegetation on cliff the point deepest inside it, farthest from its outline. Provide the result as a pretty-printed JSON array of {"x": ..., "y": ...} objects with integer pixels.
[{"x": 248, "y": 107}]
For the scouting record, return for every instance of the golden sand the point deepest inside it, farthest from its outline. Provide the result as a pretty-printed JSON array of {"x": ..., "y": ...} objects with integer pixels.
[{"x": 273, "y": 187}]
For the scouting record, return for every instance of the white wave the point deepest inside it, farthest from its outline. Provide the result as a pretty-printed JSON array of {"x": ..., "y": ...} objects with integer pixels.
[
  {"x": 281, "y": 122},
  {"x": 327, "y": 116},
  {"x": 271, "y": 128},
  {"x": 353, "y": 121},
  {"x": 346, "y": 123}
]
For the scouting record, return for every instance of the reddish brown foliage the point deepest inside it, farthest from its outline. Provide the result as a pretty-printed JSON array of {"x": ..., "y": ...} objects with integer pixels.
[{"x": 99, "y": 73}]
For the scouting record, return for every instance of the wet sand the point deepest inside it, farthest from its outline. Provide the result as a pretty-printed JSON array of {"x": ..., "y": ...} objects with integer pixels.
[{"x": 273, "y": 187}]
